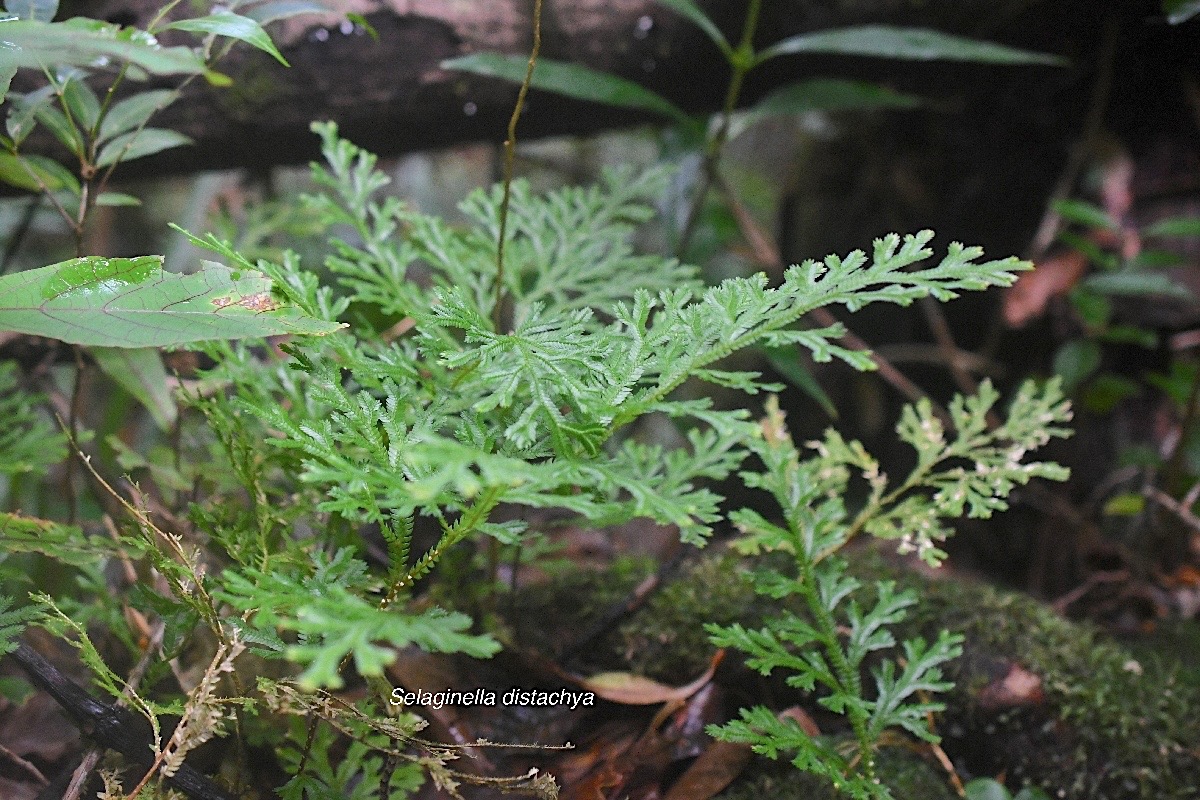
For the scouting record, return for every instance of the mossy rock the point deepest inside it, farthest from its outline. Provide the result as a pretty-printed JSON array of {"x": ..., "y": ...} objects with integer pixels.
[
  {"x": 1111, "y": 725},
  {"x": 902, "y": 771},
  {"x": 1102, "y": 723}
]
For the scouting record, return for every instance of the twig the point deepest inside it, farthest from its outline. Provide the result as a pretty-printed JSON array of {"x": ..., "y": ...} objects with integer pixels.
[
  {"x": 1096, "y": 578},
  {"x": 946, "y": 344},
  {"x": 1097, "y": 105},
  {"x": 923, "y": 353},
  {"x": 1180, "y": 510},
  {"x": 767, "y": 253},
  {"x": 112, "y": 726},
  {"x": 84, "y": 771},
  {"x": 25, "y": 765},
  {"x": 510, "y": 153}
]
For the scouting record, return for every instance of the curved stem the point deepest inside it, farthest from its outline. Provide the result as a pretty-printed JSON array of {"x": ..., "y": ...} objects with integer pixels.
[
  {"x": 742, "y": 61},
  {"x": 510, "y": 152},
  {"x": 466, "y": 524}
]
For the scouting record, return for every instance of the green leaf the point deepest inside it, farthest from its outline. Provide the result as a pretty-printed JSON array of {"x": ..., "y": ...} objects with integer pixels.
[
  {"x": 22, "y": 114},
  {"x": 828, "y": 94},
  {"x": 913, "y": 44},
  {"x": 1175, "y": 226},
  {"x": 7, "y": 73},
  {"x": 1093, "y": 308},
  {"x": 132, "y": 302},
  {"x": 1075, "y": 361},
  {"x": 29, "y": 441},
  {"x": 365, "y": 24},
  {"x": 1086, "y": 214},
  {"x": 133, "y": 112},
  {"x": 140, "y": 371},
  {"x": 136, "y": 144},
  {"x": 81, "y": 42},
  {"x": 12, "y": 622},
  {"x": 1178, "y": 11},
  {"x": 1106, "y": 390},
  {"x": 787, "y": 364},
  {"x": 691, "y": 12},
  {"x": 43, "y": 10},
  {"x": 283, "y": 9},
  {"x": 234, "y": 26},
  {"x": 65, "y": 543},
  {"x": 1130, "y": 334},
  {"x": 81, "y": 100},
  {"x": 63, "y": 129},
  {"x": 571, "y": 80},
  {"x": 1126, "y": 504},
  {"x": 1136, "y": 284},
  {"x": 986, "y": 789},
  {"x": 25, "y": 172},
  {"x": 117, "y": 199}
]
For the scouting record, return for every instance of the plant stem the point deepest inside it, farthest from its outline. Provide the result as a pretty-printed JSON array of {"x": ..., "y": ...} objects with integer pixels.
[
  {"x": 510, "y": 153},
  {"x": 845, "y": 673},
  {"x": 742, "y": 61},
  {"x": 466, "y": 524}
]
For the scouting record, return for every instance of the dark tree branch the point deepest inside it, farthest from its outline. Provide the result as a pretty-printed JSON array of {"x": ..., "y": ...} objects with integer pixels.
[{"x": 391, "y": 95}]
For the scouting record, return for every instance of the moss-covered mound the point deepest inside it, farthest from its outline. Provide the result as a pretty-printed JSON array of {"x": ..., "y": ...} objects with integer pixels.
[
  {"x": 1088, "y": 719},
  {"x": 908, "y": 777}
]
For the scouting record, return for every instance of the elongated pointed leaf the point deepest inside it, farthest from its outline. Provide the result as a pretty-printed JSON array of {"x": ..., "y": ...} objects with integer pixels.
[
  {"x": 36, "y": 44},
  {"x": 22, "y": 115},
  {"x": 132, "y": 302},
  {"x": 79, "y": 97},
  {"x": 827, "y": 94},
  {"x": 912, "y": 44},
  {"x": 235, "y": 26},
  {"x": 785, "y": 362},
  {"x": 1136, "y": 284},
  {"x": 135, "y": 111},
  {"x": 1178, "y": 11},
  {"x": 283, "y": 9},
  {"x": 62, "y": 128},
  {"x": 1174, "y": 226},
  {"x": 117, "y": 199},
  {"x": 136, "y": 144},
  {"x": 572, "y": 80},
  {"x": 140, "y": 371},
  {"x": 691, "y": 12},
  {"x": 1086, "y": 214},
  {"x": 37, "y": 173}
]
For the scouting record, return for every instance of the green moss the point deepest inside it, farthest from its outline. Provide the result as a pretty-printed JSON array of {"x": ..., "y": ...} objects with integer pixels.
[
  {"x": 902, "y": 771},
  {"x": 552, "y": 616},
  {"x": 666, "y": 640},
  {"x": 1111, "y": 725}
]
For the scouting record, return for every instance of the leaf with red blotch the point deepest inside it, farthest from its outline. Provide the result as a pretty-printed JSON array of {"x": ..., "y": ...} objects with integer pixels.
[{"x": 133, "y": 302}]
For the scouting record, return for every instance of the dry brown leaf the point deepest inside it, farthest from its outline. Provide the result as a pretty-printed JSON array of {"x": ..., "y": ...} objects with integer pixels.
[
  {"x": 636, "y": 690},
  {"x": 715, "y": 769},
  {"x": 1052, "y": 277},
  {"x": 799, "y": 716},
  {"x": 1018, "y": 687}
]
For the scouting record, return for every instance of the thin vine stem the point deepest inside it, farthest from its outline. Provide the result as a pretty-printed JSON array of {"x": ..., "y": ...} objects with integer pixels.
[
  {"x": 510, "y": 153},
  {"x": 742, "y": 61}
]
